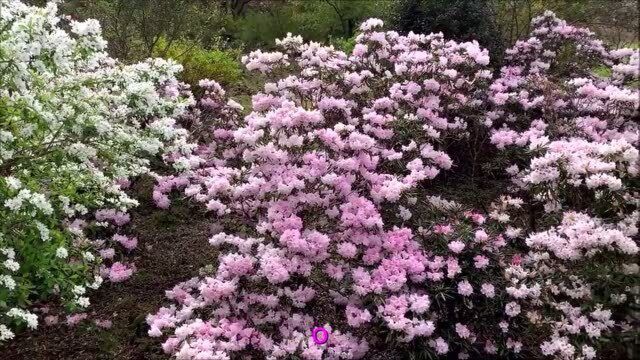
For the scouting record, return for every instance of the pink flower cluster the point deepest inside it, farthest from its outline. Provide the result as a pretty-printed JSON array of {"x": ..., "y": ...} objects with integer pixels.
[{"x": 112, "y": 221}]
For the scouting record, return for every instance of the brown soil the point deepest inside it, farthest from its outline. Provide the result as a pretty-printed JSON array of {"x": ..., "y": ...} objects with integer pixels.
[{"x": 172, "y": 247}]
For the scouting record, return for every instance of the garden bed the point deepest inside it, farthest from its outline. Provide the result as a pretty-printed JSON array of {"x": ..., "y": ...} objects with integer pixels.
[{"x": 173, "y": 246}]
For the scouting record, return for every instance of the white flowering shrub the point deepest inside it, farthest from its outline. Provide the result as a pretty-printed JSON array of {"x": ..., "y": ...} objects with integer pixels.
[{"x": 74, "y": 124}]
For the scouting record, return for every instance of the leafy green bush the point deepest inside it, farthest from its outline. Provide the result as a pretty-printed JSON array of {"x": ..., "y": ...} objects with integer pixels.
[
  {"x": 344, "y": 44},
  {"x": 199, "y": 63}
]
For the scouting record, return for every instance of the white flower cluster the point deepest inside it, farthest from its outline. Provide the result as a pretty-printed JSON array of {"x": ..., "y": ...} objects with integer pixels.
[
  {"x": 27, "y": 317},
  {"x": 25, "y": 197},
  {"x": 5, "y": 333},
  {"x": 10, "y": 266},
  {"x": 581, "y": 235},
  {"x": 290, "y": 41}
]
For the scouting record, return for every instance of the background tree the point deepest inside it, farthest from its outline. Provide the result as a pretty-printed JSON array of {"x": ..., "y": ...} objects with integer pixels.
[
  {"x": 463, "y": 20},
  {"x": 615, "y": 21},
  {"x": 134, "y": 28}
]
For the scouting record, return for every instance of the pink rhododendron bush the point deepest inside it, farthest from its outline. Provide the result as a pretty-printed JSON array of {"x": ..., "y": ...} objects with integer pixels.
[
  {"x": 74, "y": 124},
  {"x": 330, "y": 219}
]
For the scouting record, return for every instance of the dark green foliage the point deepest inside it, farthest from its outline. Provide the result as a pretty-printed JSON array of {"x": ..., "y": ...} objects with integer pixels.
[
  {"x": 344, "y": 44},
  {"x": 460, "y": 20},
  {"x": 317, "y": 20}
]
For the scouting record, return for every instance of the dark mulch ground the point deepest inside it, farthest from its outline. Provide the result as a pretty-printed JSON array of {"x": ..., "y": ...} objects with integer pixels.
[{"x": 172, "y": 247}]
